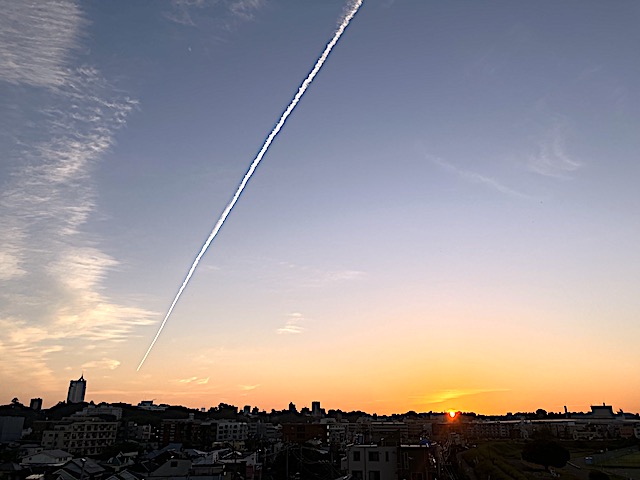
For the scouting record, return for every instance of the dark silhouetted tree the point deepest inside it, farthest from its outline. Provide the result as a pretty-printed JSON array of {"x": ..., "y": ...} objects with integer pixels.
[
  {"x": 541, "y": 413},
  {"x": 546, "y": 453}
]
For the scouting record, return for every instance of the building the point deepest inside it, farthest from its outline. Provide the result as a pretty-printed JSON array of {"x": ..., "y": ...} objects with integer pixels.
[
  {"x": 336, "y": 431},
  {"x": 192, "y": 432},
  {"x": 491, "y": 429},
  {"x": 316, "y": 411},
  {"x": 419, "y": 429},
  {"x": 202, "y": 434},
  {"x": 375, "y": 462},
  {"x": 419, "y": 462},
  {"x": 172, "y": 469},
  {"x": 11, "y": 429},
  {"x": 51, "y": 458},
  {"x": 81, "y": 436},
  {"x": 602, "y": 411},
  {"x": 263, "y": 431},
  {"x": 303, "y": 432},
  {"x": 77, "y": 389},
  {"x": 372, "y": 462},
  {"x": 80, "y": 469},
  {"x": 149, "y": 405},
  {"x": 381, "y": 431},
  {"x": 36, "y": 404},
  {"x": 231, "y": 431},
  {"x": 101, "y": 409},
  {"x": 242, "y": 465},
  {"x": 132, "y": 431}
]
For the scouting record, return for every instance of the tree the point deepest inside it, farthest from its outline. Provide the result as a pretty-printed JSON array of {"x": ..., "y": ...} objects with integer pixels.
[{"x": 546, "y": 453}]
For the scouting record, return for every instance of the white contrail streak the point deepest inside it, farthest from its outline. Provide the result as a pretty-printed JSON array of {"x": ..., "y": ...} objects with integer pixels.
[{"x": 353, "y": 9}]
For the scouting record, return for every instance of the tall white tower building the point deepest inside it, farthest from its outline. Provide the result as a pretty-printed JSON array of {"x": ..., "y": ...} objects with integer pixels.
[{"x": 76, "y": 390}]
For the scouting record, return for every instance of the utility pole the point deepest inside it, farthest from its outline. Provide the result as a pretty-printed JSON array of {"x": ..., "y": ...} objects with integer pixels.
[{"x": 84, "y": 462}]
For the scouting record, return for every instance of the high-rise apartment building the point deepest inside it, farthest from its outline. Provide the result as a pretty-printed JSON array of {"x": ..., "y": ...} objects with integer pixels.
[{"x": 77, "y": 388}]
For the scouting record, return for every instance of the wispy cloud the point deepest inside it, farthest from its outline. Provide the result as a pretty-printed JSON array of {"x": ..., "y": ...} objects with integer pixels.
[
  {"x": 552, "y": 159},
  {"x": 311, "y": 276},
  {"x": 102, "y": 364},
  {"x": 443, "y": 396},
  {"x": 343, "y": 275},
  {"x": 293, "y": 324},
  {"x": 248, "y": 388},
  {"x": 476, "y": 178},
  {"x": 10, "y": 261},
  {"x": 37, "y": 40},
  {"x": 187, "y": 380},
  {"x": 226, "y": 13},
  {"x": 194, "y": 380},
  {"x": 245, "y": 9},
  {"x": 52, "y": 298}
]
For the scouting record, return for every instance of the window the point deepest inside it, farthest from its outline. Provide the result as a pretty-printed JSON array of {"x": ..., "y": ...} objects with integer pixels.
[
  {"x": 356, "y": 456},
  {"x": 174, "y": 463},
  {"x": 374, "y": 475},
  {"x": 374, "y": 456},
  {"x": 386, "y": 456},
  {"x": 356, "y": 474}
]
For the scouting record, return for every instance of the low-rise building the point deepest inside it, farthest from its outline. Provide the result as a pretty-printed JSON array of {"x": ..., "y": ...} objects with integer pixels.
[
  {"x": 230, "y": 431},
  {"x": 303, "y": 432},
  {"x": 173, "y": 469},
  {"x": 419, "y": 461},
  {"x": 11, "y": 428},
  {"x": 407, "y": 461},
  {"x": 149, "y": 405},
  {"x": 336, "y": 431},
  {"x": 50, "y": 458},
  {"x": 101, "y": 409},
  {"x": 81, "y": 436},
  {"x": 132, "y": 431},
  {"x": 263, "y": 431},
  {"x": 371, "y": 462},
  {"x": 80, "y": 469},
  {"x": 192, "y": 432}
]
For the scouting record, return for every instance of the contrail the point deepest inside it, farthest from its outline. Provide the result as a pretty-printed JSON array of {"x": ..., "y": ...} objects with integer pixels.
[{"x": 352, "y": 10}]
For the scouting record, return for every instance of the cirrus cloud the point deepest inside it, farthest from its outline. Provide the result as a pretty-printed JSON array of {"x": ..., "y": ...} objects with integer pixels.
[{"x": 65, "y": 117}]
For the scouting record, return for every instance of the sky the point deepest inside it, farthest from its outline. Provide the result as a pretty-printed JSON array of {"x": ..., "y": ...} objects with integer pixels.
[{"x": 448, "y": 220}]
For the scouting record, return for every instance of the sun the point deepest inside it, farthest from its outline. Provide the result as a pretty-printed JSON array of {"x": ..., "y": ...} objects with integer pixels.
[{"x": 452, "y": 414}]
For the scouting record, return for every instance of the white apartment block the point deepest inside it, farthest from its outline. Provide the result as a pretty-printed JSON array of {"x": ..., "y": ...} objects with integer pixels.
[
  {"x": 231, "y": 431},
  {"x": 81, "y": 436},
  {"x": 101, "y": 409}
]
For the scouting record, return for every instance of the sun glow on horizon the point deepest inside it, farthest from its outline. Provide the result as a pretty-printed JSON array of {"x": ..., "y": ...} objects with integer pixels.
[{"x": 452, "y": 414}]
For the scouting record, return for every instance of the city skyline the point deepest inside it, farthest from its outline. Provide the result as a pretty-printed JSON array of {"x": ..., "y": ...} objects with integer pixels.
[
  {"x": 77, "y": 390},
  {"x": 449, "y": 219}
]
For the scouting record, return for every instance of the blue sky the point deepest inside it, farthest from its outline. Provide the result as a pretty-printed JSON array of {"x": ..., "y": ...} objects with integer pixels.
[{"x": 459, "y": 183}]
